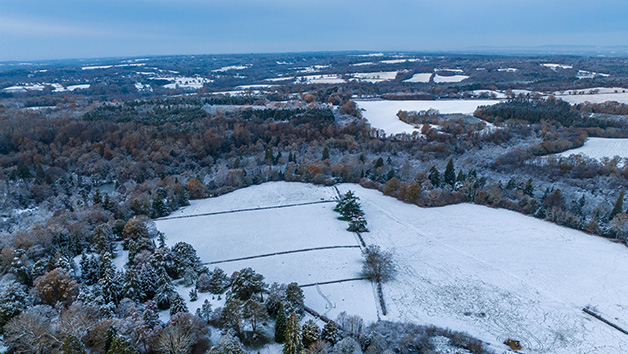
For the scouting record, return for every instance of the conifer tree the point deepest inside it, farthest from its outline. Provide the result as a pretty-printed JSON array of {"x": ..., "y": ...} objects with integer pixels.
[
  {"x": 72, "y": 345},
  {"x": 450, "y": 173},
  {"x": 293, "y": 343},
  {"x": 619, "y": 206},
  {"x": 325, "y": 153},
  {"x": 177, "y": 305},
  {"x": 150, "y": 316},
  {"x": 148, "y": 281},
  {"x": 295, "y": 300},
  {"x": 165, "y": 291},
  {"x": 330, "y": 333},
  {"x": 434, "y": 176},
  {"x": 205, "y": 311},
  {"x": 311, "y": 333},
  {"x": 193, "y": 294},
  {"x": 280, "y": 324}
]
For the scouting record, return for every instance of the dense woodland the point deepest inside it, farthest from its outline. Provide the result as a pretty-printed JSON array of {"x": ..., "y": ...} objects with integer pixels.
[{"x": 82, "y": 180}]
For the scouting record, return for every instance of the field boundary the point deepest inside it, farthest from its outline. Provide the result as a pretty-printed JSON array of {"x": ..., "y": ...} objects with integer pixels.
[
  {"x": 332, "y": 282},
  {"x": 591, "y": 313},
  {"x": 244, "y": 210},
  {"x": 281, "y": 253}
]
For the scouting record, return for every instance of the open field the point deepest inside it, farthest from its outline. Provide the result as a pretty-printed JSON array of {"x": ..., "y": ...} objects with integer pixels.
[
  {"x": 599, "y": 148},
  {"x": 493, "y": 273}
]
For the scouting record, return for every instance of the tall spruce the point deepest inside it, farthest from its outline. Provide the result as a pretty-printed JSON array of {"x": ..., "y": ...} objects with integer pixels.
[
  {"x": 293, "y": 343},
  {"x": 280, "y": 324},
  {"x": 450, "y": 173},
  {"x": 619, "y": 206}
]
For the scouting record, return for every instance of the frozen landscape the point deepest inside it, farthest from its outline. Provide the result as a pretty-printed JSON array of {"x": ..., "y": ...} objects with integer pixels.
[
  {"x": 382, "y": 114},
  {"x": 493, "y": 273},
  {"x": 600, "y": 148}
]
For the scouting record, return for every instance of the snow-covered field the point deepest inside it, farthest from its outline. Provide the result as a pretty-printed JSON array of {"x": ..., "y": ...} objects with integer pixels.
[
  {"x": 375, "y": 77},
  {"x": 498, "y": 274},
  {"x": 182, "y": 82},
  {"x": 382, "y": 114},
  {"x": 421, "y": 77},
  {"x": 320, "y": 79},
  {"x": 493, "y": 273},
  {"x": 599, "y": 148},
  {"x": 454, "y": 78}
]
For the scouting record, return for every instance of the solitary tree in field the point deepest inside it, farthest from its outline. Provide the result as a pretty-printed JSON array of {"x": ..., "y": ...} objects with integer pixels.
[{"x": 378, "y": 264}]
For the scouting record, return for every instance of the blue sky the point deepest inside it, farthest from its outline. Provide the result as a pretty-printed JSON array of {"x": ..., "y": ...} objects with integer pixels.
[{"x": 56, "y": 29}]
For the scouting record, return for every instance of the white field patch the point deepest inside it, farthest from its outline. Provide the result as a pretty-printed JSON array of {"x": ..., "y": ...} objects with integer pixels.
[
  {"x": 182, "y": 82},
  {"x": 595, "y": 95},
  {"x": 320, "y": 79},
  {"x": 556, "y": 66},
  {"x": 375, "y": 77},
  {"x": 97, "y": 67},
  {"x": 488, "y": 93},
  {"x": 420, "y": 77},
  {"x": 24, "y": 88},
  {"x": 232, "y": 67},
  {"x": 497, "y": 274},
  {"x": 382, "y": 114},
  {"x": 255, "y": 86},
  {"x": 599, "y": 148},
  {"x": 508, "y": 70},
  {"x": 455, "y": 78},
  {"x": 143, "y": 87},
  {"x": 223, "y": 238}
]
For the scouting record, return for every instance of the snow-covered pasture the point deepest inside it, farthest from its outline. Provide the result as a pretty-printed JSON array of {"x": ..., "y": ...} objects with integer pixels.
[
  {"x": 599, "y": 148},
  {"x": 313, "y": 245},
  {"x": 498, "y": 274},
  {"x": 454, "y": 78},
  {"x": 420, "y": 77},
  {"x": 382, "y": 114},
  {"x": 493, "y": 273}
]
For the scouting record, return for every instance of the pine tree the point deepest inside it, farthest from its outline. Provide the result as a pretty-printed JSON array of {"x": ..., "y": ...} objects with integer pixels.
[
  {"x": 97, "y": 199},
  {"x": 294, "y": 342},
  {"x": 255, "y": 312},
  {"x": 72, "y": 345},
  {"x": 280, "y": 324},
  {"x": 132, "y": 285},
  {"x": 177, "y": 305},
  {"x": 295, "y": 300},
  {"x": 247, "y": 283},
  {"x": 12, "y": 301},
  {"x": 325, "y": 153},
  {"x": 112, "y": 333},
  {"x": 311, "y": 333},
  {"x": 330, "y": 333},
  {"x": 450, "y": 173},
  {"x": 148, "y": 281},
  {"x": 165, "y": 291},
  {"x": 529, "y": 188},
  {"x": 205, "y": 311},
  {"x": 619, "y": 206},
  {"x": 434, "y": 176},
  {"x": 121, "y": 345},
  {"x": 193, "y": 294},
  {"x": 150, "y": 316}
]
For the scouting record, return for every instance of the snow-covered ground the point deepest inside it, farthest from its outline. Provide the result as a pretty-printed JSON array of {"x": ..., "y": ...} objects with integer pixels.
[
  {"x": 556, "y": 66},
  {"x": 498, "y": 274},
  {"x": 595, "y": 95},
  {"x": 454, "y": 78},
  {"x": 382, "y": 114},
  {"x": 24, "y": 88},
  {"x": 232, "y": 67},
  {"x": 182, "y": 82},
  {"x": 493, "y": 273},
  {"x": 599, "y": 148},
  {"x": 298, "y": 229},
  {"x": 421, "y": 77},
  {"x": 320, "y": 79},
  {"x": 375, "y": 77}
]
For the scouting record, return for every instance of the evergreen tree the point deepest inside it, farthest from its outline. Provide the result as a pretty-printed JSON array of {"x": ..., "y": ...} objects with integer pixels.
[
  {"x": 132, "y": 285},
  {"x": 325, "y": 154},
  {"x": 97, "y": 199},
  {"x": 177, "y": 305},
  {"x": 529, "y": 188},
  {"x": 280, "y": 324},
  {"x": 12, "y": 301},
  {"x": 228, "y": 344},
  {"x": 193, "y": 294},
  {"x": 121, "y": 345},
  {"x": 349, "y": 206},
  {"x": 150, "y": 316},
  {"x": 311, "y": 333},
  {"x": 112, "y": 333},
  {"x": 450, "y": 173},
  {"x": 293, "y": 343},
  {"x": 330, "y": 333},
  {"x": 295, "y": 300},
  {"x": 148, "y": 280},
  {"x": 72, "y": 345},
  {"x": 102, "y": 238},
  {"x": 434, "y": 176},
  {"x": 247, "y": 283},
  {"x": 165, "y": 291},
  {"x": 619, "y": 206},
  {"x": 205, "y": 311}
]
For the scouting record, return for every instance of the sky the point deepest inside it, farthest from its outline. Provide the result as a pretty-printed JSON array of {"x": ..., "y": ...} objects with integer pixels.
[{"x": 63, "y": 29}]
